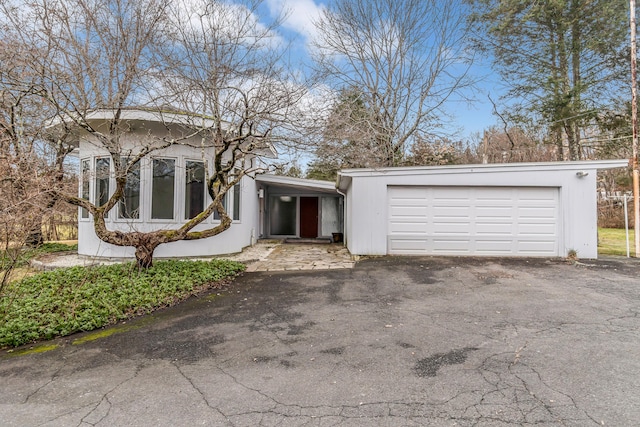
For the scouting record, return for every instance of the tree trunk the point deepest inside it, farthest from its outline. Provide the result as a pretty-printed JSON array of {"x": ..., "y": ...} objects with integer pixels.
[
  {"x": 559, "y": 144},
  {"x": 574, "y": 149},
  {"x": 144, "y": 256},
  {"x": 35, "y": 237},
  {"x": 145, "y": 246}
]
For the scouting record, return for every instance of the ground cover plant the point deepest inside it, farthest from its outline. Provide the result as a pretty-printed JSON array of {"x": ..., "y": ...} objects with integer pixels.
[
  {"x": 64, "y": 301},
  {"x": 612, "y": 241}
]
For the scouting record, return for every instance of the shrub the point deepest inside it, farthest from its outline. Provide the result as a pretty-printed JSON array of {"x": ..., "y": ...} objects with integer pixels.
[{"x": 611, "y": 214}]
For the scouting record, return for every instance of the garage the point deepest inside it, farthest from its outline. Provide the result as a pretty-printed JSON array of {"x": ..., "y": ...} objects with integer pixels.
[
  {"x": 500, "y": 221},
  {"x": 546, "y": 209}
]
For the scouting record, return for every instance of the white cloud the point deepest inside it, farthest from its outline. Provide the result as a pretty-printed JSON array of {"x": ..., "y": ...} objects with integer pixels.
[
  {"x": 300, "y": 15},
  {"x": 233, "y": 21}
]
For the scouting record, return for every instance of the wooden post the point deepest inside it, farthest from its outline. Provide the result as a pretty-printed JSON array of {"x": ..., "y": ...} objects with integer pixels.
[{"x": 634, "y": 126}]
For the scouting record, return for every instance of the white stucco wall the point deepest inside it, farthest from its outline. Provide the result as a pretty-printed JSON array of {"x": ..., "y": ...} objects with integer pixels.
[
  {"x": 242, "y": 233},
  {"x": 367, "y": 213}
]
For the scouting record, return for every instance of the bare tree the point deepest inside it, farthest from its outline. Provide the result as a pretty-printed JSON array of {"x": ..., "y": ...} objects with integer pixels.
[
  {"x": 437, "y": 152},
  {"x": 29, "y": 167},
  {"x": 404, "y": 58},
  {"x": 24, "y": 173},
  {"x": 510, "y": 144},
  {"x": 211, "y": 61}
]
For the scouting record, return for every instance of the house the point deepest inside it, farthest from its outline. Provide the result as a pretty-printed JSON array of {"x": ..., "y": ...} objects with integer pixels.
[
  {"x": 167, "y": 188},
  {"x": 517, "y": 209}
]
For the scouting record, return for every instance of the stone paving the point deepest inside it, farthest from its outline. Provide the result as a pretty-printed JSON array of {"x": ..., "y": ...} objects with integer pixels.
[
  {"x": 304, "y": 256},
  {"x": 266, "y": 255}
]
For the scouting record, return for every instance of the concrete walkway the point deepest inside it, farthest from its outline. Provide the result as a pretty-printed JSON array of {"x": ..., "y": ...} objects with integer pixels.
[{"x": 267, "y": 255}]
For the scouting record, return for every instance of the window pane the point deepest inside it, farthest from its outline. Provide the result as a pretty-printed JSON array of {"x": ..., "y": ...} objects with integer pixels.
[
  {"x": 283, "y": 215},
  {"x": 236, "y": 202},
  {"x": 130, "y": 202},
  {"x": 102, "y": 181},
  {"x": 194, "y": 192},
  {"x": 162, "y": 194},
  {"x": 86, "y": 171}
]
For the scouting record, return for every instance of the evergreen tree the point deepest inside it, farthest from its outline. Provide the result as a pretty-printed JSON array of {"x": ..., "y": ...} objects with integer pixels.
[{"x": 562, "y": 58}]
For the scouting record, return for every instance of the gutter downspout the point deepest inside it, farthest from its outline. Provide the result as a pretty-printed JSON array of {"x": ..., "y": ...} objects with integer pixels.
[
  {"x": 344, "y": 218},
  {"x": 344, "y": 211}
]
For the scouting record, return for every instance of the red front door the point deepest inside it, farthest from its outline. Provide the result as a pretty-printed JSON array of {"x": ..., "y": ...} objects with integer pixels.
[{"x": 308, "y": 217}]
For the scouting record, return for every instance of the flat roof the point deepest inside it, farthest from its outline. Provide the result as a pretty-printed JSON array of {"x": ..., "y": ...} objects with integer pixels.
[
  {"x": 345, "y": 175},
  {"x": 297, "y": 183}
]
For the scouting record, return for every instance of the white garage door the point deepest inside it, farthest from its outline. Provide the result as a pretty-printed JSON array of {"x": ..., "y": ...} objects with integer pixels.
[{"x": 473, "y": 221}]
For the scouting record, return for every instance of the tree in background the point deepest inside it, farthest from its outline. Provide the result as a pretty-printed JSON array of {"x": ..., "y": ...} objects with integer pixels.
[
  {"x": 394, "y": 63},
  {"x": 435, "y": 153},
  {"x": 614, "y": 139},
  {"x": 317, "y": 169},
  {"x": 562, "y": 59},
  {"x": 512, "y": 145},
  {"x": 347, "y": 139},
  {"x": 30, "y": 166}
]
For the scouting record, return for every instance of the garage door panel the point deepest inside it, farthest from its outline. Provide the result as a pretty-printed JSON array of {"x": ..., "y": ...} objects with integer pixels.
[
  {"x": 408, "y": 244},
  {"x": 410, "y": 211},
  {"x": 537, "y": 229},
  {"x": 537, "y": 212},
  {"x": 497, "y": 228},
  {"x": 474, "y": 221},
  {"x": 536, "y": 248},
  {"x": 450, "y": 245},
  {"x": 449, "y": 210},
  {"x": 451, "y": 233},
  {"x": 493, "y": 212},
  {"x": 409, "y": 228},
  {"x": 494, "y": 247}
]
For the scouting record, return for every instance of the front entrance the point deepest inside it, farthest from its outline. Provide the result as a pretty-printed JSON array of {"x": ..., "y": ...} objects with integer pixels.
[{"x": 308, "y": 217}]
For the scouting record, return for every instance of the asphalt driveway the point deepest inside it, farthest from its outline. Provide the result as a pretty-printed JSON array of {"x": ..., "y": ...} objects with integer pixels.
[{"x": 392, "y": 342}]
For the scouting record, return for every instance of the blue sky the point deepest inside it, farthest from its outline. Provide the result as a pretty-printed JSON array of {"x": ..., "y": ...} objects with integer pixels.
[{"x": 466, "y": 117}]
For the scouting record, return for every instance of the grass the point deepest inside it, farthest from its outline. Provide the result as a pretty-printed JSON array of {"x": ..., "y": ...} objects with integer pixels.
[
  {"x": 28, "y": 254},
  {"x": 612, "y": 241},
  {"x": 64, "y": 301}
]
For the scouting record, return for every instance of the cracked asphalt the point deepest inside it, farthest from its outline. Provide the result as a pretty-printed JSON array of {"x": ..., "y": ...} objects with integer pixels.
[{"x": 392, "y": 342}]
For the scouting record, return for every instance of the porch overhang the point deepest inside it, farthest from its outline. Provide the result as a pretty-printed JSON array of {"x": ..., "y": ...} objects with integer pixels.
[{"x": 287, "y": 182}]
